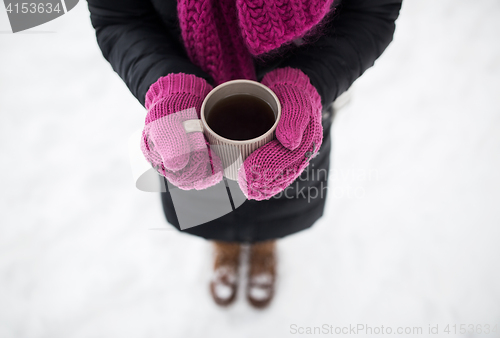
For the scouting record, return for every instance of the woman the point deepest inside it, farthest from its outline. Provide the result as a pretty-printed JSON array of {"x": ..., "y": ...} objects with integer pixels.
[{"x": 172, "y": 53}]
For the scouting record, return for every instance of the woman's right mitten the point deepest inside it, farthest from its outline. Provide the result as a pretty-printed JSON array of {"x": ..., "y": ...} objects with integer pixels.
[{"x": 185, "y": 159}]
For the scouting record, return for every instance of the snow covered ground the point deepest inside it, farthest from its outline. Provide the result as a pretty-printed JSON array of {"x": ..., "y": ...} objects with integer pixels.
[{"x": 410, "y": 237}]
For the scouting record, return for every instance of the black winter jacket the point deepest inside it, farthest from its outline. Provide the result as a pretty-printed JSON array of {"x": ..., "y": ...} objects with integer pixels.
[{"x": 141, "y": 39}]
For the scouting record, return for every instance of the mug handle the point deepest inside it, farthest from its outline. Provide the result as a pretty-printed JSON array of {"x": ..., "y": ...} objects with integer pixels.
[{"x": 191, "y": 126}]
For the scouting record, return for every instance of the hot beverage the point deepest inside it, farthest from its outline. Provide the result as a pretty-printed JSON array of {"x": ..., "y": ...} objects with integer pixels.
[{"x": 241, "y": 117}]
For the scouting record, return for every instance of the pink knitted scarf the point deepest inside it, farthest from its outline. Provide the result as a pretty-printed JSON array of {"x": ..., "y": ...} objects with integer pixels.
[{"x": 222, "y": 36}]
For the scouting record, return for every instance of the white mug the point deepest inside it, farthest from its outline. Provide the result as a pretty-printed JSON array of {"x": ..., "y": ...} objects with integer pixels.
[{"x": 233, "y": 152}]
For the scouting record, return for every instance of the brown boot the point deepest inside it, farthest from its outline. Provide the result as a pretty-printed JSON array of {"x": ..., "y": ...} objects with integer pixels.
[
  {"x": 262, "y": 273},
  {"x": 224, "y": 283}
]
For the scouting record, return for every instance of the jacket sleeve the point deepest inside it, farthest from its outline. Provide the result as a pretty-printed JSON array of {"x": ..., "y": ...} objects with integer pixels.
[
  {"x": 137, "y": 44},
  {"x": 356, "y": 36}
]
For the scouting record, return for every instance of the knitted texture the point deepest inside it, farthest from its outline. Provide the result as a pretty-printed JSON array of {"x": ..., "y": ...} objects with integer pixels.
[
  {"x": 222, "y": 36},
  {"x": 183, "y": 158},
  {"x": 212, "y": 39},
  {"x": 267, "y": 24},
  {"x": 274, "y": 166}
]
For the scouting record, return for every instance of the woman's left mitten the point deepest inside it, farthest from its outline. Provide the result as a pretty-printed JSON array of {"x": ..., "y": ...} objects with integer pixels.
[{"x": 299, "y": 134}]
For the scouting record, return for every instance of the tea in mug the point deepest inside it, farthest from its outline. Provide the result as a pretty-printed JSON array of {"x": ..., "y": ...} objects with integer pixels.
[{"x": 241, "y": 117}]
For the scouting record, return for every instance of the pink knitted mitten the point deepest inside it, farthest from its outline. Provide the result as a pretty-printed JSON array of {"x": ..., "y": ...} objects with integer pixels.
[
  {"x": 183, "y": 158},
  {"x": 274, "y": 166}
]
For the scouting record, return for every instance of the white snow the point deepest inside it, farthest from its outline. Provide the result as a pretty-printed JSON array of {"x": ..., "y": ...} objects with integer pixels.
[
  {"x": 262, "y": 278},
  {"x": 410, "y": 236},
  {"x": 223, "y": 291},
  {"x": 258, "y": 293},
  {"x": 260, "y": 286}
]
